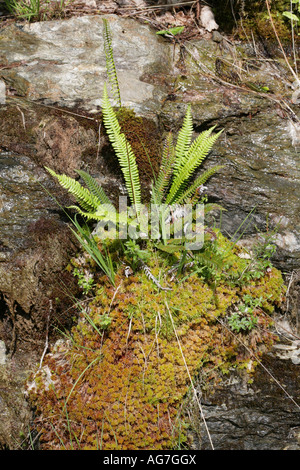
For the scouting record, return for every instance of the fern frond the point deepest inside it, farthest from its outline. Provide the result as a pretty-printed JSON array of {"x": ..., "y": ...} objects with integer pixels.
[
  {"x": 110, "y": 63},
  {"x": 206, "y": 258},
  {"x": 185, "y": 195},
  {"x": 99, "y": 214},
  {"x": 197, "y": 153},
  {"x": 94, "y": 187},
  {"x": 183, "y": 140},
  {"x": 165, "y": 171},
  {"x": 201, "y": 147},
  {"x": 82, "y": 195},
  {"x": 123, "y": 151}
]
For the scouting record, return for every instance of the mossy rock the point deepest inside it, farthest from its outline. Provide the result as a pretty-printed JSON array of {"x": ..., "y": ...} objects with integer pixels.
[{"x": 121, "y": 384}]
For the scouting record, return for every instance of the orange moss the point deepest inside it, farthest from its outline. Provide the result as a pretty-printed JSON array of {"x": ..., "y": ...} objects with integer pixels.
[{"x": 123, "y": 387}]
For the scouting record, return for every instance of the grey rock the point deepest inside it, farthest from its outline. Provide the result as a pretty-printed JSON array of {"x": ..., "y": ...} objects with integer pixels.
[
  {"x": 257, "y": 416},
  {"x": 63, "y": 62}
]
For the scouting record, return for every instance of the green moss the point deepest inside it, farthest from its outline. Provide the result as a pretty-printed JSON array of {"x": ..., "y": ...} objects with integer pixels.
[
  {"x": 255, "y": 19},
  {"x": 248, "y": 18},
  {"x": 123, "y": 387}
]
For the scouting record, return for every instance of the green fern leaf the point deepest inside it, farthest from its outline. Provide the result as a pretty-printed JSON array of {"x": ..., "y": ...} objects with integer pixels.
[
  {"x": 101, "y": 213},
  {"x": 123, "y": 151},
  {"x": 193, "y": 159},
  {"x": 201, "y": 180},
  {"x": 94, "y": 187},
  {"x": 110, "y": 63},
  {"x": 183, "y": 141},
  {"x": 82, "y": 195},
  {"x": 165, "y": 171},
  {"x": 206, "y": 258}
]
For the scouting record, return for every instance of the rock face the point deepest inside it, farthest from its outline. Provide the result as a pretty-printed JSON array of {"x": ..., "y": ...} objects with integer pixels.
[
  {"x": 260, "y": 416},
  {"x": 53, "y": 73},
  {"x": 259, "y": 147},
  {"x": 35, "y": 246},
  {"x": 35, "y": 249},
  {"x": 63, "y": 62}
]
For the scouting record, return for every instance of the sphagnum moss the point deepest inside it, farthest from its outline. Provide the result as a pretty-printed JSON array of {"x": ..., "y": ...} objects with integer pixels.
[{"x": 124, "y": 388}]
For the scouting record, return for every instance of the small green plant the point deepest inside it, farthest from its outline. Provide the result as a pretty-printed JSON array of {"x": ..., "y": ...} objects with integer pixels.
[
  {"x": 243, "y": 319},
  {"x": 104, "y": 321},
  {"x": 262, "y": 251},
  {"x": 85, "y": 280},
  {"x": 89, "y": 244},
  {"x": 171, "y": 32},
  {"x": 294, "y": 17},
  {"x": 33, "y": 10},
  {"x": 237, "y": 322},
  {"x": 135, "y": 255},
  {"x": 24, "y": 9}
]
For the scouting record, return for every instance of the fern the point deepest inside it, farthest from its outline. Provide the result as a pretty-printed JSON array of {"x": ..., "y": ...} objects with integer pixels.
[
  {"x": 94, "y": 203},
  {"x": 83, "y": 196},
  {"x": 184, "y": 197},
  {"x": 110, "y": 63},
  {"x": 123, "y": 151},
  {"x": 94, "y": 187},
  {"x": 193, "y": 158},
  {"x": 165, "y": 171},
  {"x": 178, "y": 165},
  {"x": 183, "y": 141}
]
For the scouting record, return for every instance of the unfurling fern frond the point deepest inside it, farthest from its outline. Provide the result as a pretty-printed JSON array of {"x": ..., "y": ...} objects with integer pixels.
[
  {"x": 123, "y": 151},
  {"x": 152, "y": 278},
  {"x": 110, "y": 63}
]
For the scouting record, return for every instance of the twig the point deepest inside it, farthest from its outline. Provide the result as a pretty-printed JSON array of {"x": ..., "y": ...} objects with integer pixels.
[
  {"x": 99, "y": 141},
  {"x": 288, "y": 290},
  {"x": 23, "y": 118},
  {"x": 113, "y": 298},
  {"x": 280, "y": 45},
  {"x": 47, "y": 334},
  {"x": 55, "y": 108},
  {"x": 157, "y": 7}
]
